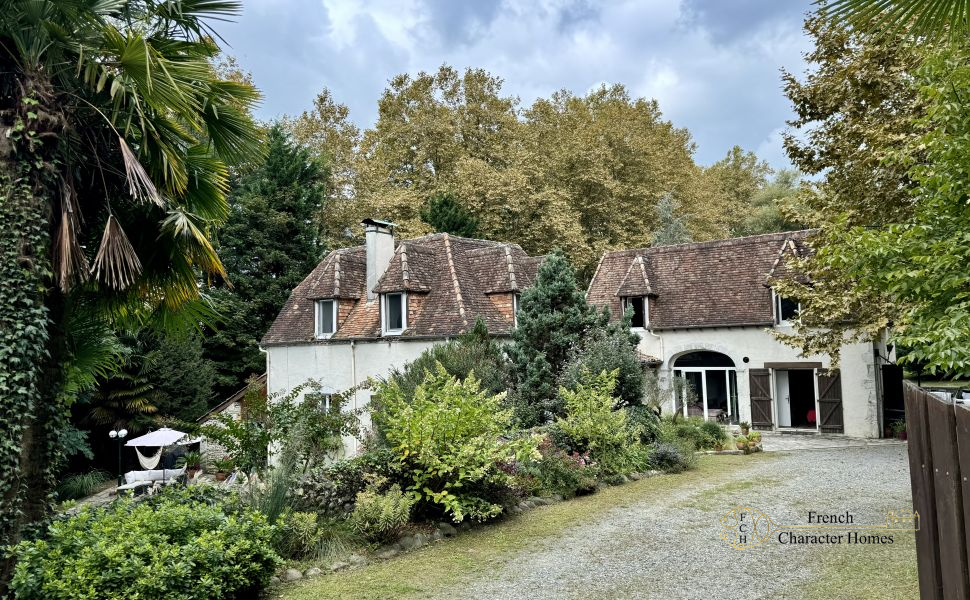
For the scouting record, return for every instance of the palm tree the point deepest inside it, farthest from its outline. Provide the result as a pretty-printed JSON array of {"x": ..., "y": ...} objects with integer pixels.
[
  {"x": 921, "y": 18},
  {"x": 116, "y": 139}
]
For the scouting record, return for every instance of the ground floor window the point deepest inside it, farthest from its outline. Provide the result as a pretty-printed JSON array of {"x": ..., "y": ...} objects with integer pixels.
[{"x": 707, "y": 386}]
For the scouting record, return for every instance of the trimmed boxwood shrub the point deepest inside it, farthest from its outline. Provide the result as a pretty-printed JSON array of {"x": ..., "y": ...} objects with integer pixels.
[{"x": 171, "y": 547}]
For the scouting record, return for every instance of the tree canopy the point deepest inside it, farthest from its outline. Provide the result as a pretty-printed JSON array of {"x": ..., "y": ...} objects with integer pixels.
[{"x": 569, "y": 171}]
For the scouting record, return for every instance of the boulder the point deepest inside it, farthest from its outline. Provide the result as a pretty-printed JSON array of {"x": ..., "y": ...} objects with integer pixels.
[
  {"x": 386, "y": 553},
  {"x": 356, "y": 560},
  {"x": 312, "y": 572},
  {"x": 447, "y": 529},
  {"x": 338, "y": 566},
  {"x": 274, "y": 580},
  {"x": 292, "y": 575}
]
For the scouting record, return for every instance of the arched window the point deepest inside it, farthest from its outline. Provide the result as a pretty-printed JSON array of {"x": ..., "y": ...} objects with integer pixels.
[{"x": 708, "y": 386}]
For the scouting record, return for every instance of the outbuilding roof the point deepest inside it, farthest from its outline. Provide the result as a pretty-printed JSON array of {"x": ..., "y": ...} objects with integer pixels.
[{"x": 705, "y": 284}]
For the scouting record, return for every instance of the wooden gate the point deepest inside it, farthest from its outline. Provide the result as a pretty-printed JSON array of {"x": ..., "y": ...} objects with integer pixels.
[
  {"x": 939, "y": 464},
  {"x": 760, "y": 380},
  {"x": 830, "y": 402}
]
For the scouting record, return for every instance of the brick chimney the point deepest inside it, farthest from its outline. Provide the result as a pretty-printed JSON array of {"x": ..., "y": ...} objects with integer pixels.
[{"x": 379, "y": 244}]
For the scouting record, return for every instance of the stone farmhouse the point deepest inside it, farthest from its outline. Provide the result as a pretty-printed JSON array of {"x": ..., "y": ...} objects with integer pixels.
[{"x": 703, "y": 311}]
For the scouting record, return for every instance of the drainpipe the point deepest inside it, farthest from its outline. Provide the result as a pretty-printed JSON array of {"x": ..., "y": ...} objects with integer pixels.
[{"x": 353, "y": 376}]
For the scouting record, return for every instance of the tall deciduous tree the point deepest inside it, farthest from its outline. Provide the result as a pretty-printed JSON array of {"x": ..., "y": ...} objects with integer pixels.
[
  {"x": 855, "y": 107},
  {"x": 737, "y": 177},
  {"x": 774, "y": 207},
  {"x": 569, "y": 171},
  {"x": 269, "y": 243},
  {"x": 906, "y": 265},
  {"x": 117, "y": 138},
  {"x": 552, "y": 321}
]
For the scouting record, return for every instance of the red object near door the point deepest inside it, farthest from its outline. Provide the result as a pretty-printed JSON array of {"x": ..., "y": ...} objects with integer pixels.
[{"x": 811, "y": 416}]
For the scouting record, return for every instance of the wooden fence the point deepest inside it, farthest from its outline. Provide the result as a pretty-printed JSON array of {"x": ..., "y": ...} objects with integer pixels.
[{"x": 939, "y": 467}]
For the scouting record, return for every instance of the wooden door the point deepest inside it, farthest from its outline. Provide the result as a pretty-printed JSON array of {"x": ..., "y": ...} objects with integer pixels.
[
  {"x": 760, "y": 380},
  {"x": 830, "y": 402}
]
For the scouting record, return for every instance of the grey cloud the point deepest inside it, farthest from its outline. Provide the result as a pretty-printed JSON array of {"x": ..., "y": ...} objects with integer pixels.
[{"x": 713, "y": 68}]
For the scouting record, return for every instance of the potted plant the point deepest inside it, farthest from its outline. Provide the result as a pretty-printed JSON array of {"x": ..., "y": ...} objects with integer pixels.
[
  {"x": 718, "y": 446},
  {"x": 756, "y": 436},
  {"x": 192, "y": 461},
  {"x": 745, "y": 427},
  {"x": 223, "y": 467},
  {"x": 741, "y": 442},
  {"x": 899, "y": 429}
]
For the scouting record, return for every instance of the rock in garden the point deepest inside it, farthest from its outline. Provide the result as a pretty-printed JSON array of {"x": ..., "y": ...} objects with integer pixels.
[
  {"x": 447, "y": 529},
  {"x": 338, "y": 566},
  {"x": 356, "y": 560},
  {"x": 274, "y": 580},
  {"x": 387, "y": 553},
  {"x": 312, "y": 572},
  {"x": 419, "y": 540},
  {"x": 436, "y": 535},
  {"x": 406, "y": 542},
  {"x": 292, "y": 575}
]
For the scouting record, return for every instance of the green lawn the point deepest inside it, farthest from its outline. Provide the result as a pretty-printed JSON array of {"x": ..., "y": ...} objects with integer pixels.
[{"x": 870, "y": 572}]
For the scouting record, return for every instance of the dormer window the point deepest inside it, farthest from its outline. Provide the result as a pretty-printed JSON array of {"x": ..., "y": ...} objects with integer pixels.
[
  {"x": 786, "y": 309},
  {"x": 326, "y": 318},
  {"x": 394, "y": 313},
  {"x": 640, "y": 308}
]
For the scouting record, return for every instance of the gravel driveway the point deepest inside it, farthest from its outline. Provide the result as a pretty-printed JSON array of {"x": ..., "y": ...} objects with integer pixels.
[{"x": 659, "y": 547}]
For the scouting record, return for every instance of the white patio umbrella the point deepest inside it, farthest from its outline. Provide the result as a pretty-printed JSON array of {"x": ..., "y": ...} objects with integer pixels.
[{"x": 160, "y": 438}]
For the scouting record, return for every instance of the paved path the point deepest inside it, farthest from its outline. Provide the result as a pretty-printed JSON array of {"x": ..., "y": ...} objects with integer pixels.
[
  {"x": 772, "y": 441},
  {"x": 661, "y": 547}
]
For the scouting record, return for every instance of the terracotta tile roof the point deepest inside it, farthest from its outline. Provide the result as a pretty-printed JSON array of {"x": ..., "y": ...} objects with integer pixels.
[
  {"x": 451, "y": 281},
  {"x": 705, "y": 284}
]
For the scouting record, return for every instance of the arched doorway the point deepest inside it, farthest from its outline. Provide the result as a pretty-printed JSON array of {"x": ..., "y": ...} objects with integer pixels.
[{"x": 709, "y": 386}]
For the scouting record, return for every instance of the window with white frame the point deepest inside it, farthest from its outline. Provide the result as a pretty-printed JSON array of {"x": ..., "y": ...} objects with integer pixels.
[
  {"x": 786, "y": 309},
  {"x": 326, "y": 317},
  {"x": 394, "y": 315},
  {"x": 640, "y": 307}
]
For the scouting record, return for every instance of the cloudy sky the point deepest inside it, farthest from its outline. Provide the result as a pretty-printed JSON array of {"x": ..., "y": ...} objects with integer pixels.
[{"x": 713, "y": 65}]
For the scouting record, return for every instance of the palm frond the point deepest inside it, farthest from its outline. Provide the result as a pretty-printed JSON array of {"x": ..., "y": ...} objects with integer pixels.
[
  {"x": 139, "y": 183},
  {"x": 195, "y": 244},
  {"x": 932, "y": 19},
  {"x": 70, "y": 263},
  {"x": 116, "y": 263}
]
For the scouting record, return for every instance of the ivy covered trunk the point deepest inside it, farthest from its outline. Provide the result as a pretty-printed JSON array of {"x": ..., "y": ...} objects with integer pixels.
[{"x": 32, "y": 340}]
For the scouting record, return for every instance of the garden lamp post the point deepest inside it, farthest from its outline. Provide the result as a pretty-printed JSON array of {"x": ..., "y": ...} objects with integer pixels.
[{"x": 119, "y": 436}]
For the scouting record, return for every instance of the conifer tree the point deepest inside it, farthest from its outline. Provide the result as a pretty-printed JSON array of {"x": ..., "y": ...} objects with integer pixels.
[
  {"x": 445, "y": 214},
  {"x": 671, "y": 228},
  {"x": 553, "y": 319},
  {"x": 270, "y": 242}
]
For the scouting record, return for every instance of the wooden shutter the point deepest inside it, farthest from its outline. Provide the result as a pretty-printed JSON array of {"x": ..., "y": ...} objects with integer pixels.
[
  {"x": 760, "y": 380},
  {"x": 830, "y": 402}
]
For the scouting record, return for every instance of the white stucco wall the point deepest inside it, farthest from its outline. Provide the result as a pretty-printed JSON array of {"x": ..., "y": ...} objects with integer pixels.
[
  {"x": 861, "y": 404},
  {"x": 341, "y": 366}
]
